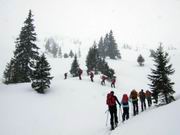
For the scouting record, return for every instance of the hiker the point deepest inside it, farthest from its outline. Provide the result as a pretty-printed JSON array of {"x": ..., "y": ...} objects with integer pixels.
[
  {"x": 142, "y": 98},
  {"x": 80, "y": 73},
  {"x": 134, "y": 99},
  {"x": 125, "y": 106},
  {"x": 103, "y": 78},
  {"x": 113, "y": 82},
  {"x": 91, "y": 76},
  {"x": 65, "y": 75},
  {"x": 149, "y": 98},
  {"x": 111, "y": 102}
]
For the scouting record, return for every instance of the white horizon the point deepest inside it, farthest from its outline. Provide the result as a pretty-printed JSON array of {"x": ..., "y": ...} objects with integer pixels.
[{"x": 137, "y": 23}]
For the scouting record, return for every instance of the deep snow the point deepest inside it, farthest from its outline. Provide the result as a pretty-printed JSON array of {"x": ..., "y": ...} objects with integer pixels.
[{"x": 74, "y": 107}]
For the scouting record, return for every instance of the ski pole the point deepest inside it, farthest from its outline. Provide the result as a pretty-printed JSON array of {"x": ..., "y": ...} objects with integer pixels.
[
  {"x": 107, "y": 116},
  {"x": 120, "y": 113}
]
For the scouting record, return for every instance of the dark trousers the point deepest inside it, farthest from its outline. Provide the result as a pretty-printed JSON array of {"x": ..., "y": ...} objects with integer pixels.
[
  {"x": 103, "y": 82},
  {"x": 149, "y": 100},
  {"x": 135, "y": 107},
  {"x": 125, "y": 115},
  {"x": 112, "y": 85},
  {"x": 80, "y": 77},
  {"x": 143, "y": 105},
  {"x": 92, "y": 79},
  {"x": 114, "y": 117}
]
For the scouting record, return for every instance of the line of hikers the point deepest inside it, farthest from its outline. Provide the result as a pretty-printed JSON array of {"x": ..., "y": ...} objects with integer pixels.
[
  {"x": 79, "y": 72},
  {"x": 133, "y": 98},
  {"x": 91, "y": 74}
]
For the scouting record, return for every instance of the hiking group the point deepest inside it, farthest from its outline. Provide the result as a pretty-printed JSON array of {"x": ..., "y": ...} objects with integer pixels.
[
  {"x": 111, "y": 101},
  {"x": 91, "y": 75}
]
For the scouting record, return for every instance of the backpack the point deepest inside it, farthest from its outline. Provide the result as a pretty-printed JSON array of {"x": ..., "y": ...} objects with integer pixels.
[
  {"x": 111, "y": 100},
  {"x": 125, "y": 99},
  {"x": 113, "y": 81},
  {"x": 80, "y": 71},
  {"x": 142, "y": 95},
  {"x": 103, "y": 77},
  {"x": 134, "y": 94},
  {"x": 148, "y": 93}
]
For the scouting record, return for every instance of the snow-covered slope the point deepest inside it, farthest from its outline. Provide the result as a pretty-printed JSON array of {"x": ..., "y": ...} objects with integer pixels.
[{"x": 74, "y": 107}]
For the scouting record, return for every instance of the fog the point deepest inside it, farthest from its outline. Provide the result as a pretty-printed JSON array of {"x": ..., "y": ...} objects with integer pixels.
[{"x": 135, "y": 22}]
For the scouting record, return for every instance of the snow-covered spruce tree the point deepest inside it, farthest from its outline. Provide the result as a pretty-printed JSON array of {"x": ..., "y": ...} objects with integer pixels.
[
  {"x": 74, "y": 67},
  {"x": 41, "y": 75},
  {"x": 101, "y": 48},
  {"x": 106, "y": 45},
  {"x": 161, "y": 84},
  {"x": 12, "y": 73},
  {"x": 9, "y": 72},
  {"x": 47, "y": 46},
  {"x": 54, "y": 50},
  {"x": 104, "y": 68},
  {"x": 71, "y": 54},
  {"x": 140, "y": 60},
  {"x": 52, "y": 47},
  {"x": 59, "y": 52},
  {"x": 66, "y": 55},
  {"x": 152, "y": 53},
  {"x": 112, "y": 51},
  {"x": 26, "y": 50},
  {"x": 92, "y": 59}
]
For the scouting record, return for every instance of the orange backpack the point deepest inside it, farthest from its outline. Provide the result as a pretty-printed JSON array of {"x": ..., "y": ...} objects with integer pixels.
[{"x": 134, "y": 94}]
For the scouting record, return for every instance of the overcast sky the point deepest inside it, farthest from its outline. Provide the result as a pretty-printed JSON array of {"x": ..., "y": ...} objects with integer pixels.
[{"x": 134, "y": 22}]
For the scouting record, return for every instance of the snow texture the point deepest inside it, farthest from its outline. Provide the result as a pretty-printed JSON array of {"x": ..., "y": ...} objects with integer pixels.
[{"x": 77, "y": 107}]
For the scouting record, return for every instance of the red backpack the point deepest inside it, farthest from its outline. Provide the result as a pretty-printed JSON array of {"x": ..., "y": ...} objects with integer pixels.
[
  {"x": 111, "y": 100},
  {"x": 125, "y": 98}
]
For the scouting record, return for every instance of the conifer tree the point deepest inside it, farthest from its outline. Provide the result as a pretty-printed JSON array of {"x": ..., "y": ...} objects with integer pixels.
[
  {"x": 71, "y": 54},
  {"x": 41, "y": 75},
  {"x": 26, "y": 50},
  {"x": 140, "y": 60},
  {"x": 161, "y": 85},
  {"x": 66, "y": 55},
  {"x": 74, "y": 67},
  {"x": 54, "y": 50},
  {"x": 152, "y": 53},
  {"x": 8, "y": 73},
  {"x": 106, "y": 45},
  {"x": 59, "y": 52},
  {"x": 12, "y": 73},
  {"x": 92, "y": 59},
  {"x": 47, "y": 46},
  {"x": 101, "y": 48},
  {"x": 52, "y": 47},
  {"x": 105, "y": 69},
  {"x": 112, "y": 51}
]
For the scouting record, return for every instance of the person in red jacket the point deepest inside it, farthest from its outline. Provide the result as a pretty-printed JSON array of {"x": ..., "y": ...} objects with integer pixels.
[
  {"x": 113, "y": 81},
  {"x": 125, "y": 106},
  {"x": 111, "y": 102},
  {"x": 103, "y": 78}
]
